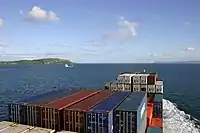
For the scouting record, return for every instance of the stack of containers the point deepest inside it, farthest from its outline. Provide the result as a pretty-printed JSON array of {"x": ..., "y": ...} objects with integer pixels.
[
  {"x": 75, "y": 115},
  {"x": 130, "y": 115},
  {"x": 47, "y": 114},
  {"x": 52, "y": 113},
  {"x": 124, "y": 82},
  {"x": 100, "y": 118},
  {"x": 18, "y": 111}
]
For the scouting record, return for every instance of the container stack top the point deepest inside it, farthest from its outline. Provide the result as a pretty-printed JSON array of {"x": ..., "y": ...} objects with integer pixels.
[
  {"x": 49, "y": 96},
  {"x": 110, "y": 103},
  {"x": 154, "y": 130},
  {"x": 159, "y": 83},
  {"x": 90, "y": 102},
  {"x": 72, "y": 99},
  {"x": 158, "y": 97},
  {"x": 132, "y": 102}
]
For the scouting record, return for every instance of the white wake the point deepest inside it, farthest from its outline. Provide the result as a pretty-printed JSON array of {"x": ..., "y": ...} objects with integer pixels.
[{"x": 176, "y": 121}]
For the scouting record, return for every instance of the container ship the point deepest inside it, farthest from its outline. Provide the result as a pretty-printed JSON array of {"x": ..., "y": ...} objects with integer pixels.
[{"x": 131, "y": 104}]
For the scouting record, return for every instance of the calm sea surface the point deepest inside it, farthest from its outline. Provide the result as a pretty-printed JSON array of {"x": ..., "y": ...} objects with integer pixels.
[{"x": 181, "y": 81}]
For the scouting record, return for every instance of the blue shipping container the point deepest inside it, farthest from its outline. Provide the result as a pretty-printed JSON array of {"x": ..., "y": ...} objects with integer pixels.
[
  {"x": 100, "y": 118},
  {"x": 131, "y": 113}
]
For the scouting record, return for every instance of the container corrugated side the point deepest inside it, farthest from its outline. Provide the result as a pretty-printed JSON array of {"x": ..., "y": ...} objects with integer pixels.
[
  {"x": 19, "y": 112},
  {"x": 74, "y": 116},
  {"x": 104, "y": 111},
  {"x": 33, "y": 111},
  {"x": 16, "y": 113},
  {"x": 130, "y": 114}
]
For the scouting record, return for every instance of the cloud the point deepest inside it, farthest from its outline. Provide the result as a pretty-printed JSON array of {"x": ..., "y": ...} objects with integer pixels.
[
  {"x": 37, "y": 14},
  {"x": 125, "y": 31},
  {"x": 189, "y": 49},
  {"x": 1, "y": 22}
]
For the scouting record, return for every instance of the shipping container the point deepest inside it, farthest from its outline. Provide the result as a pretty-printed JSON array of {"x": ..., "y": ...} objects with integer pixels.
[
  {"x": 99, "y": 119},
  {"x": 127, "y": 87},
  {"x": 125, "y": 78},
  {"x": 130, "y": 115},
  {"x": 120, "y": 87},
  {"x": 151, "y": 89},
  {"x": 136, "y": 79},
  {"x": 107, "y": 86},
  {"x": 151, "y": 80},
  {"x": 158, "y": 97},
  {"x": 159, "y": 87},
  {"x": 154, "y": 130},
  {"x": 74, "y": 116},
  {"x": 157, "y": 122},
  {"x": 157, "y": 110},
  {"x": 70, "y": 100},
  {"x": 158, "y": 106},
  {"x": 18, "y": 111},
  {"x": 113, "y": 86},
  {"x": 136, "y": 88},
  {"x": 52, "y": 113},
  {"x": 144, "y": 79},
  {"x": 143, "y": 88}
]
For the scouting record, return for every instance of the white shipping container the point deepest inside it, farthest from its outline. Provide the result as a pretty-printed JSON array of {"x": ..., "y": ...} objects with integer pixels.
[
  {"x": 136, "y": 79},
  {"x": 113, "y": 86},
  {"x": 143, "y": 88},
  {"x": 151, "y": 88},
  {"x": 125, "y": 78},
  {"x": 159, "y": 87},
  {"x": 143, "y": 79},
  {"x": 136, "y": 88},
  {"x": 127, "y": 87},
  {"x": 120, "y": 87}
]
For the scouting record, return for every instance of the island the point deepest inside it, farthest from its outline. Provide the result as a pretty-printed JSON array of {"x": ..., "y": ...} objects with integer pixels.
[{"x": 39, "y": 61}]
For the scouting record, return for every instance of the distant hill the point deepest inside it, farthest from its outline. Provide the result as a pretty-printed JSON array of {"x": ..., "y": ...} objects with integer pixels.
[
  {"x": 177, "y": 62},
  {"x": 38, "y": 61}
]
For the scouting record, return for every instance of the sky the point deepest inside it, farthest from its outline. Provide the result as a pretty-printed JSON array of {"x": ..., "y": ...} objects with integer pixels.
[{"x": 103, "y": 31}]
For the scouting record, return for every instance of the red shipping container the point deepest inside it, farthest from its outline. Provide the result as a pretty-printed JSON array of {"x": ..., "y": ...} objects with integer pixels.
[
  {"x": 74, "y": 116},
  {"x": 70, "y": 100}
]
